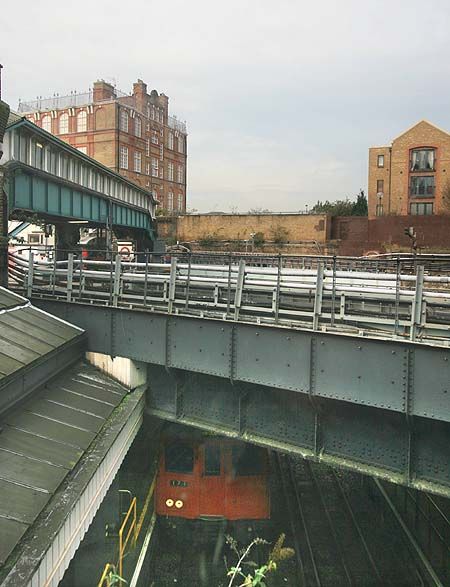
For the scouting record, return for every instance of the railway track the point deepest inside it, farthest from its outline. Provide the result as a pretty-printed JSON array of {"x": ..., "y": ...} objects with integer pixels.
[{"x": 348, "y": 533}]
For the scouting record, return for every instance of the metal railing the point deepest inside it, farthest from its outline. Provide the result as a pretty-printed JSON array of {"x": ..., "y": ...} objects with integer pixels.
[
  {"x": 323, "y": 294},
  {"x": 130, "y": 529}
]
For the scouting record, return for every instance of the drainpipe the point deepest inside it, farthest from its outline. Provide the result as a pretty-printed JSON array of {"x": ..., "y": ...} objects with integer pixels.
[{"x": 390, "y": 176}]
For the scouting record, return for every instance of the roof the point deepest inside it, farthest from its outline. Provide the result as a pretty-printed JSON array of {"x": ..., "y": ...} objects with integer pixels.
[
  {"x": 28, "y": 335},
  {"x": 417, "y": 124},
  {"x": 16, "y": 121},
  {"x": 42, "y": 441}
]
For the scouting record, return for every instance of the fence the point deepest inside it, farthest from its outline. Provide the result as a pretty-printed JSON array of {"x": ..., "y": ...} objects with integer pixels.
[{"x": 323, "y": 294}]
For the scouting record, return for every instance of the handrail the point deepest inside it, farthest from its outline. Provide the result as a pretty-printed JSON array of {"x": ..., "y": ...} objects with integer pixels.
[
  {"x": 131, "y": 530},
  {"x": 360, "y": 301}
]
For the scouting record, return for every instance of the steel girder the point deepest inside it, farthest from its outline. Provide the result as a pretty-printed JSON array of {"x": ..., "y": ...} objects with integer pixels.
[
  {"x": 373, "y": 441},
  {"x": 391, "y": 399},
  {"x": 409, "y": 378}
]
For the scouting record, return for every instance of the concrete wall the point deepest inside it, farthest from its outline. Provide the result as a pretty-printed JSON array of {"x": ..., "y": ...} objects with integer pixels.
[{"x": 129, "y": 373}]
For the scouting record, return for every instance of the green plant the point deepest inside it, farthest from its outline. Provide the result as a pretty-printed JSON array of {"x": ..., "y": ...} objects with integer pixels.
[
  {"x": 256, "y": 577},
  {"x": 280, "y": 235},
  {"x": 208, "y": 240},
  {"x": 258, "y": 239},
  {"x": 115, "y": 579}
]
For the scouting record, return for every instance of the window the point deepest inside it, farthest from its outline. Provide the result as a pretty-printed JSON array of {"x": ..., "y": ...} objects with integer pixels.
[
  {"x": 379, "y": 210},
  {"x": 47, "y": 123},
  {"x": 170, "y": 140},
  {"x": 170, "y": 171},
  {"x": 123, "y": 120},
  {"x": 181, "y": 144},
  {"x": 380, "y": 161},
  {"x": 34, "y": 238},
  {"x": 179, "y": 458},
  {"x": 180, "y": 201},
  {"x": 137, "y": 161},
  {"x": 147, "y": 147},
  {"x": 422, "y": 159},
  {"x": 170, "y": 201},
  {"x": 424, "y": 209},
  {"x": 180, "y": 174},
  {"x": 152, "y": 113},
  {"x": 82, "y": 121},
  {"x": 155, "y": 138},
  {"x": 380, "y": 186},
  {"x": 147, "y": 168},
  {"x": 123, "y": 157},
  {"x": 64, "y": 124},
  {"x": 212, "y": 460},
  {"x": 247, "y": 460},
  {"x": 155, "y": 165},
  {"x": 138, "y": 126},
  {"x": 422, "y": 186},
  {"x": 82, "y": 150}
]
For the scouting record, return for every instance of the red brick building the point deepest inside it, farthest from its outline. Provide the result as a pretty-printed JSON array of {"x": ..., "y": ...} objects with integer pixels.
[
  {"x": 131, "y": 134},
  {"x": 411, "y": 176}
]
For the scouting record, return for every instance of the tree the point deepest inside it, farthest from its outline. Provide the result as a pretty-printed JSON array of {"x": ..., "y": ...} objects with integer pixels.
[
  {"x": 337, "y": 208},
  {"x": 345, "y": 207},
  {"x": 360, "y": 206},
  {"x": 259, "y": 210}
]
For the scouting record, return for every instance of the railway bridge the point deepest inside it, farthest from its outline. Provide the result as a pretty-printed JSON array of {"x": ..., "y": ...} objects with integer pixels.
[{"x": 342, "y": 361}]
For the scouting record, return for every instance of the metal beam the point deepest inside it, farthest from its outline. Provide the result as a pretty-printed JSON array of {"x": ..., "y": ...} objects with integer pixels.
[
  {"x": 371, "y": 441},
  {"x": 386, "y": 374}
]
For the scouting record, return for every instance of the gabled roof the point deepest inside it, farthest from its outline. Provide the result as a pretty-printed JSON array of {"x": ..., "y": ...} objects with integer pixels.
[{"x": 423, "y": 121}]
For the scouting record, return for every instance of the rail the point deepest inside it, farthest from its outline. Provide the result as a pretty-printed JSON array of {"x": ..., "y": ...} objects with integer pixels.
[
  {"x": 130, "y": 534},
  {"x": 396, "y": 303}
]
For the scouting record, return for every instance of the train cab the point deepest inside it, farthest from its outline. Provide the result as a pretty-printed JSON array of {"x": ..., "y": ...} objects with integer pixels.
[{"x": 212, "y": 478}]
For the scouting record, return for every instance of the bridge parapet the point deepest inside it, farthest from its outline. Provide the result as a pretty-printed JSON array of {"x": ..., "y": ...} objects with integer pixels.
[{"x": 396, "y": 304}]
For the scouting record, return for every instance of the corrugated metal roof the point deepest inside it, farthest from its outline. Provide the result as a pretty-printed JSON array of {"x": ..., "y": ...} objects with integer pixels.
[
  {"x": 42, "y": 441},
  {"x": 27, "y": 334}
]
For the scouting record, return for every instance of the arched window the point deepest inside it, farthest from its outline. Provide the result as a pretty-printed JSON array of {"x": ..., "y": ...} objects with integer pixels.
[
  {"x": 82, "y": 121},
  {"x": 64, "y": 124},
  {"x": 47, "y": 123},
  {"x": 124, "y": 120},
  {"x": 137, "y": 126}
]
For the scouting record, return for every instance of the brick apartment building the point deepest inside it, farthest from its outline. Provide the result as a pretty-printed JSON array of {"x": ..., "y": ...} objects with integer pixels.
[
  {"x": 412, "y": 175},
  {"x": 131, "y": 134}
]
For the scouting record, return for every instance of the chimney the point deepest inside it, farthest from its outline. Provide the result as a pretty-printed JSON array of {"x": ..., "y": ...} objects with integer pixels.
[
  {"x": 139, "y": 88},
  {"x": 103, "y": 91}
]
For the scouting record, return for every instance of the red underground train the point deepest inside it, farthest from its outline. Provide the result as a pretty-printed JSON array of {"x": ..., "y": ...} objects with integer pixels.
[{"x": 212, "y": 478}]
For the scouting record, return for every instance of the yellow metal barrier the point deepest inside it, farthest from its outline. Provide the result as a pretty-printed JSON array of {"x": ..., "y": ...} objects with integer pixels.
[
  {"x": 104, "y": 581},
  {"x": 131, "y": 532}
]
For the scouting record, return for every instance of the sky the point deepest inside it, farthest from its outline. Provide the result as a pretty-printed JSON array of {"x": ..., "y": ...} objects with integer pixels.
[{"x": 282, "y": 99}]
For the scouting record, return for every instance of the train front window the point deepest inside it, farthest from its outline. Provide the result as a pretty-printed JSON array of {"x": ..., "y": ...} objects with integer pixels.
[
  {"x": 179, "y": 458},
  {"x": 212, "y": 460},
  {"x": 247, "y": 460}
]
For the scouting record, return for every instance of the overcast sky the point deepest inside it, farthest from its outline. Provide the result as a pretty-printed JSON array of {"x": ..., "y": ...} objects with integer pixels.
[{"x": 282, "y": 98}]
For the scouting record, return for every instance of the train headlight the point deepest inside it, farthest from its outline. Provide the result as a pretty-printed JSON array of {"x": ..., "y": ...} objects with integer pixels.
[
  {"x": 169, "y": 503},
  {"x": 179, "y": 504}
]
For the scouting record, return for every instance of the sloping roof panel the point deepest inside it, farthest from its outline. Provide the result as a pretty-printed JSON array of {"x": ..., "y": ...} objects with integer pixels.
[{"x": 41, "y": 442}]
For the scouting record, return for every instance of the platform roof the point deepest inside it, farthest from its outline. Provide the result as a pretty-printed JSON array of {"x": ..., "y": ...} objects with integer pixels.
[
  {"x": 28, "y": 336},
  {"x": 42, "y": 441}
]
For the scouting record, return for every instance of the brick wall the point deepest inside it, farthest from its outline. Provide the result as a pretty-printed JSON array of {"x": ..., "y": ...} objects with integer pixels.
[
  {"x": 235, "y": 227},
  {"x": 396, "y": 171},
  {"x": 358, "y": 236}
]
